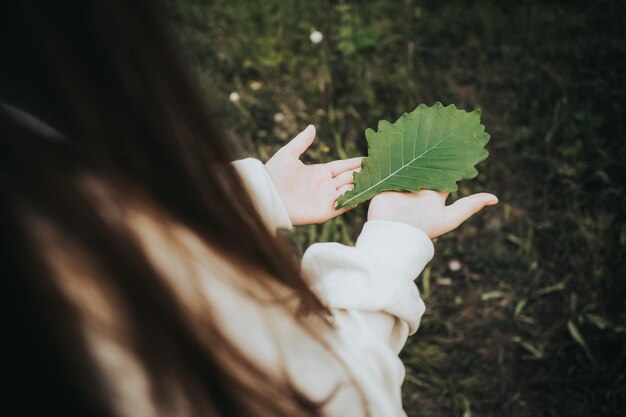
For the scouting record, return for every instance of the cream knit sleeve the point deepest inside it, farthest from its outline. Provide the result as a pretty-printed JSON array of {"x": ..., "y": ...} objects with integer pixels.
[
  {"x": 264, "y": 194},
  {"x": 375, "y": 303},
  {"x": 376, "y": 275}
]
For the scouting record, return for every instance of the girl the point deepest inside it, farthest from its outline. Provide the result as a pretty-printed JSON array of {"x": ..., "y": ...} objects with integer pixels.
[{"x": 141, "y": 272}]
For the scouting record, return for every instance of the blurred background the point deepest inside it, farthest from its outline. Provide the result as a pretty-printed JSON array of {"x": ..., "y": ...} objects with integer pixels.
[{"x": 526, "y": 312}]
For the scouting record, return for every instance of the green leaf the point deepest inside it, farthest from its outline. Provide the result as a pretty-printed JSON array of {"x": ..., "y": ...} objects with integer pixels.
[{"x": 428, "y": 148}]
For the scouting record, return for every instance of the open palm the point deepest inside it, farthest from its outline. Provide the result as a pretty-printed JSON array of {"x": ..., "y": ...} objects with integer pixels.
[{"x": 309, "y": 192}]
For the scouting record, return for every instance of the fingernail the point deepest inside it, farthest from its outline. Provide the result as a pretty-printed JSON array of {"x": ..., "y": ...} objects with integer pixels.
[{"x": 492, "y": 201}]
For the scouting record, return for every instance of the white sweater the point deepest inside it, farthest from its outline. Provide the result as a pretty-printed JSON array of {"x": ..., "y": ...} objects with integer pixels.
[{"x": 370, "y": 290}]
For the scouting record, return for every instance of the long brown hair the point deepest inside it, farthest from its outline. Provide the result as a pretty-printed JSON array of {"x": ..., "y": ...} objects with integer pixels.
[{"x": 108, "y": 77}]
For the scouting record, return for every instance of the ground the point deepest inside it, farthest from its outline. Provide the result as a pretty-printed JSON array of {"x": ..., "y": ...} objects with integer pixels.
[{"x": 526, "y": 302}]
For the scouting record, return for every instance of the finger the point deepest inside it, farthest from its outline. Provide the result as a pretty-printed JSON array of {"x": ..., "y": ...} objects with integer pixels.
[
  {"x": 298, "y": 145},
  {"x": 334, "y": 212},
  {"x": 440, "y": 195},
  {"x": 443, "y": 195},
  {"x": 465, "y": 207},
  {"x": 344, "y": 188},
  {"x": 343, "y": 165},
  {"x": 345, "y": 178},
  {"x": 339, "y": 212}
]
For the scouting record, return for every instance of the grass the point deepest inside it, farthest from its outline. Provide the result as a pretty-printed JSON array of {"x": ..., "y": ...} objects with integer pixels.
[{"x": 533, "y": 322}]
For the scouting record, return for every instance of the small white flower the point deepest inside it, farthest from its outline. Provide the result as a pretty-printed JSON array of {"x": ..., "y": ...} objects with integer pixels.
[
  {"x": 316, "y": 36},
  {"x": 234, "y": 97},
  {"x": 454, "y": 265},
  {"x": 279, "y": 117}
]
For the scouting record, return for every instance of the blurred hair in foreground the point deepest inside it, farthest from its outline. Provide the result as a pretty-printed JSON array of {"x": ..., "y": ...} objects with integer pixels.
[{"x": 128, "y": 127}]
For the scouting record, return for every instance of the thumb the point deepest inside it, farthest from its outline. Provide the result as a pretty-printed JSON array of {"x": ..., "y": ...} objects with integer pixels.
[
  {"x": 465, "y": 207},
  {"x": 301, "y": 142}
]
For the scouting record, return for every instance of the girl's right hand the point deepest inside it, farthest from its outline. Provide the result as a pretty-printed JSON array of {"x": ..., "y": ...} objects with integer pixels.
[{"x": 427, "y": 210}]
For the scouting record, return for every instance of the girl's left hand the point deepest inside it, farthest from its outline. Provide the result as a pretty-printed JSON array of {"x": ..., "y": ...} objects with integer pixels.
[{"x": 309, "y": 192}]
